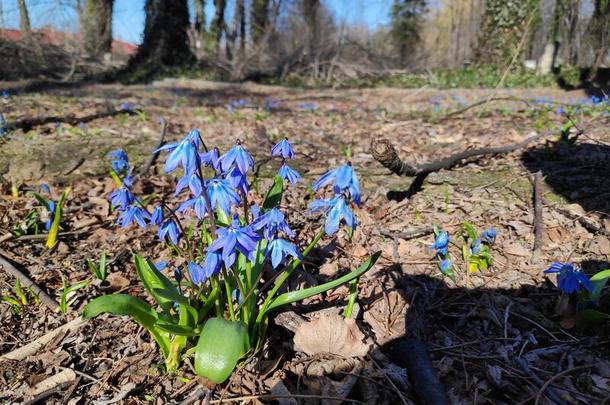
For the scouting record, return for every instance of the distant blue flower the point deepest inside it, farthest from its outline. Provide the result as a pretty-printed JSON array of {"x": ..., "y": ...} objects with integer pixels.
[
  {"x": 256, "y": 211},
  {"x": 336, "y": 210},
  {"x": 288, "y": 173},
  {"x": 221, "y": 195},
  {"x": 569, "y": 279},
  {"x": 272, "y": 222},
  {"x": 51, "y": 209},
  {"x": 44, "y": 188},
  {"x": 121, "y": 198},
  {"x": 2, "y": 125},
  {"x": 308, "y": 106},
  {"x": 237, "y": 156},
  {"x": 559, "y": 110},
  {"x": 198, "y": 204},
  {"x": 193, "y": 182},
  {"x": 211, "y": 266},
  {"x": 445, "y": 265},
  {"x": 184, "y": 151},
  {"x": 239, "y": 103},
  {"x": 279, "y": 249},
  {"x": 232, "y": 238},
  {"x": 283, "y": 149},
  {"x": 440, "y": 243},
  {"x": 489, "y": 235},
  {"x": 170, "y": 230},
  {"x": 238, "y": 180},
  {"x": 134, "y": 213},
  {"x": 157, "y": 216},
  {"x": 270, "y": 103},
  {"x": 160, "y": 266},
  {"x": 126, "y": 107},
  {"x": 342, "y": 177},
  {"x": 210, "y": 158},
  {"x": 82, "y": 126},
  {"x": 57, "y": 124},
  {"x": 5, "y": 94},
  {"x": 120, "y": 161}
]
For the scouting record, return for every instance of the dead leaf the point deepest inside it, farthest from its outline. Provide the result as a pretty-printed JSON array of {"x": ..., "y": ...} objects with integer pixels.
[
  {"x": 331, "y": 333},
  {"x": 515, "y": 249}
]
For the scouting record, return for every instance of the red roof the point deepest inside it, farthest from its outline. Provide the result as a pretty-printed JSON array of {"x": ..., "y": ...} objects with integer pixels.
[{"x": 50, "y": 36}]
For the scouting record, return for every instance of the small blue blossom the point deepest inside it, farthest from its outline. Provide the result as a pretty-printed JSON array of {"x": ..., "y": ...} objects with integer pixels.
[
  {"x": 210, "y": 158},
  {"x": 198, "y": 204},
  {"x": 237, "y": 156},
  {"x": 182, "y": 152},
  {"x": 156, "y": 218},
  {"x": 279, "y": 249},
  {"x": 560, "y": 110},
  {"x": 201, "y": 272},
  {"x": 308, "y": 107},
  {"x": 57, "y": 124},
  {"x": 489, "y": 235},
  {"x": 51, "y": 209},
  {"x": 121, "y": 198},
  {"x": 476, "y": 247},
  {"x": 256, "y": 211},
  {"x": 120, "y": 161},
  {"x": 288, "y": 173},
  {"x": 134, "y": 213},
  {"x": 5, "y": 94},
  {"x": 342, "y": 177},
  {"x": 445, "y": 265},
  {"x": 221, "y": 195},
  {"x": 283, "y": 149},
  {"x": 197, "y": 273},
  {"x": 336, "y": 210},
  {"x": 440, "y": 243},
  {"x": 126, "y": 107},
  {"x": 44, "y": 188},
  {"x": 270, "y": 104},
  {"x": 238, "y": 180},
  {"x": 170, "y": 230},
  {"x": 272, "y": 222},
  {"x": 569, "y": 279},
  {"x": 160, "y": 266},
  {"x": 232, "y": 238},
  {"x": 193, "y": 182}
]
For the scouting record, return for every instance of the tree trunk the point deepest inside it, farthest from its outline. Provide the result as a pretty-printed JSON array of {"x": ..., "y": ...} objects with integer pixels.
[
  {"x": 97, "y": 28},
  {"x": 259, "y": 19},
  {"x": 24, "y": 23},
  {"x": 165, "y": 36},
  {"x": 240, "y": 20},
  {"x": 200, "y": 24},
  {"x": 218, "y": 23},
  {"x": 599, "y": 32}
]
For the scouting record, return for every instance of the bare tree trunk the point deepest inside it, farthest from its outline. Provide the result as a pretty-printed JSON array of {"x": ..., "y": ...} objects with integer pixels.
[
  {"x": 599, "y": 32},
  {"x": 218, "y": 23},
  {"x": 97, "y": 28},
  {"x": 240, "y": 14},
  {"x": 165, "y": 38},
  {"x": 259, "y": 19},
  {"x": 24, "y": 23},
  {"x": 200, "y": 25}
]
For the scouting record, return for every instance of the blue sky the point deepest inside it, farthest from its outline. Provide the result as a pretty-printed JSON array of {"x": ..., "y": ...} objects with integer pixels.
[{"x": 128, "y": 21}]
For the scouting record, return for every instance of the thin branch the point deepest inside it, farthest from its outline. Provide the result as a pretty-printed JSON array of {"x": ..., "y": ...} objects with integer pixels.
[
  {"x": 538, "y": 221},
  {"x": 28, "y": 123}
]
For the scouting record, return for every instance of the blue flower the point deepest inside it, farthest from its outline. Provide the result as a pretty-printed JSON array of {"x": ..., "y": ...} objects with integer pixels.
[
  {"x": 233, "y": 238},
  {"x": 237, "y": 156},
  {"x": 569, "y": 279},
  {"x": 308, "y": 106},
  {"x": 445, "y": 265},
  {"x": 2, "y": 125},
  {"x": 560, "y": 110},
  {"x": 279, "y": 249},
  {"x": 198, "y": 205},
  {"x": 120, "y": 161},
  {"x": 126, "y": 107},
  {"x": 5, "y": 94},
  {"x": 238, "y": 180},
  {"x": 256, "y": 211},
  {"x": 270, "y": 103},
  {"x": 184, "y": 151},
  {"x": 134, "y": 213},
  {"x": 288, "y": 173},
  {"x": 489, "y": 235},
  {"x": 191, "y": 180},
  {"x": 440, "y": 243},
  {"x": 476, "y": 247},
  {"x": 211, "y": 266},
  {"x": 283, "y": 149},
  {"x": 121, "y": 198},
  {"x": 342, "y": 177},
  {"x": 157, "y": 216},
  {"x": 170, "y": 230},
  {"x": 160, "y": 266},
  {"x": 210, "y": 158},
  {"x": 51, "y": 209},
  {"x": 44, "y": 188},
  {"x": 221, "y": 194},
  {"x": 336, "y": 210},
  {"x": 271, "y": 222}
]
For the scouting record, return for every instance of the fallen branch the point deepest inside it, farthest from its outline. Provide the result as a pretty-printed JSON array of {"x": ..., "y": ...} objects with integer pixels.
[
  {"x": 538, "y": 221},
  {"x": 28, "y": 283},
  {"x": 28, "y": 123},
  {"x": 49, "y": 386},
  {"x": 31, "y": 348},
  {"x": 412, "y": 234}
]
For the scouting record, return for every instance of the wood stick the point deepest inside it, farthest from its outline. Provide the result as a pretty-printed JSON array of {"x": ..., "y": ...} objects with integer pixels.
[
  {"x": 28, "y": 123},
  {"x": 538, "y": 201},
  {"x": 28, "y": 283},
  {"x": 411, "y": 234}
]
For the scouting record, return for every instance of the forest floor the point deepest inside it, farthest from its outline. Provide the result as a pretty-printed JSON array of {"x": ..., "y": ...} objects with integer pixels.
[{"x": 501, "y": 335}]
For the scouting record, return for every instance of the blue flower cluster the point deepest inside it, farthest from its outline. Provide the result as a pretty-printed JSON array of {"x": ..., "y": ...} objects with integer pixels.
[
  {"x": 441, "y": 242},
  {"x": 569, "y": 278},
  {"x": 488, "y": 236},
  {"x": 284, "y": 150}
]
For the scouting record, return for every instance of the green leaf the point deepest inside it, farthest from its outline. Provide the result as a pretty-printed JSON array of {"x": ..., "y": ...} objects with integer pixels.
[
  {"x": 41, "y": 200},
  {"x": 54, "y": 231},
  {"x": 153, "y": 281},
  {"x": 294, "y": 296},
  {"x": 591, "y": 317},
  {"x": 599, "y": 281},
  {"x": 469, "y": 230},
  {"x": 140, "y": 311},
  {"x": 273, "y": 197},
  {"x": 221, "y": 344},
  {"x": 174, "y": 329}
]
